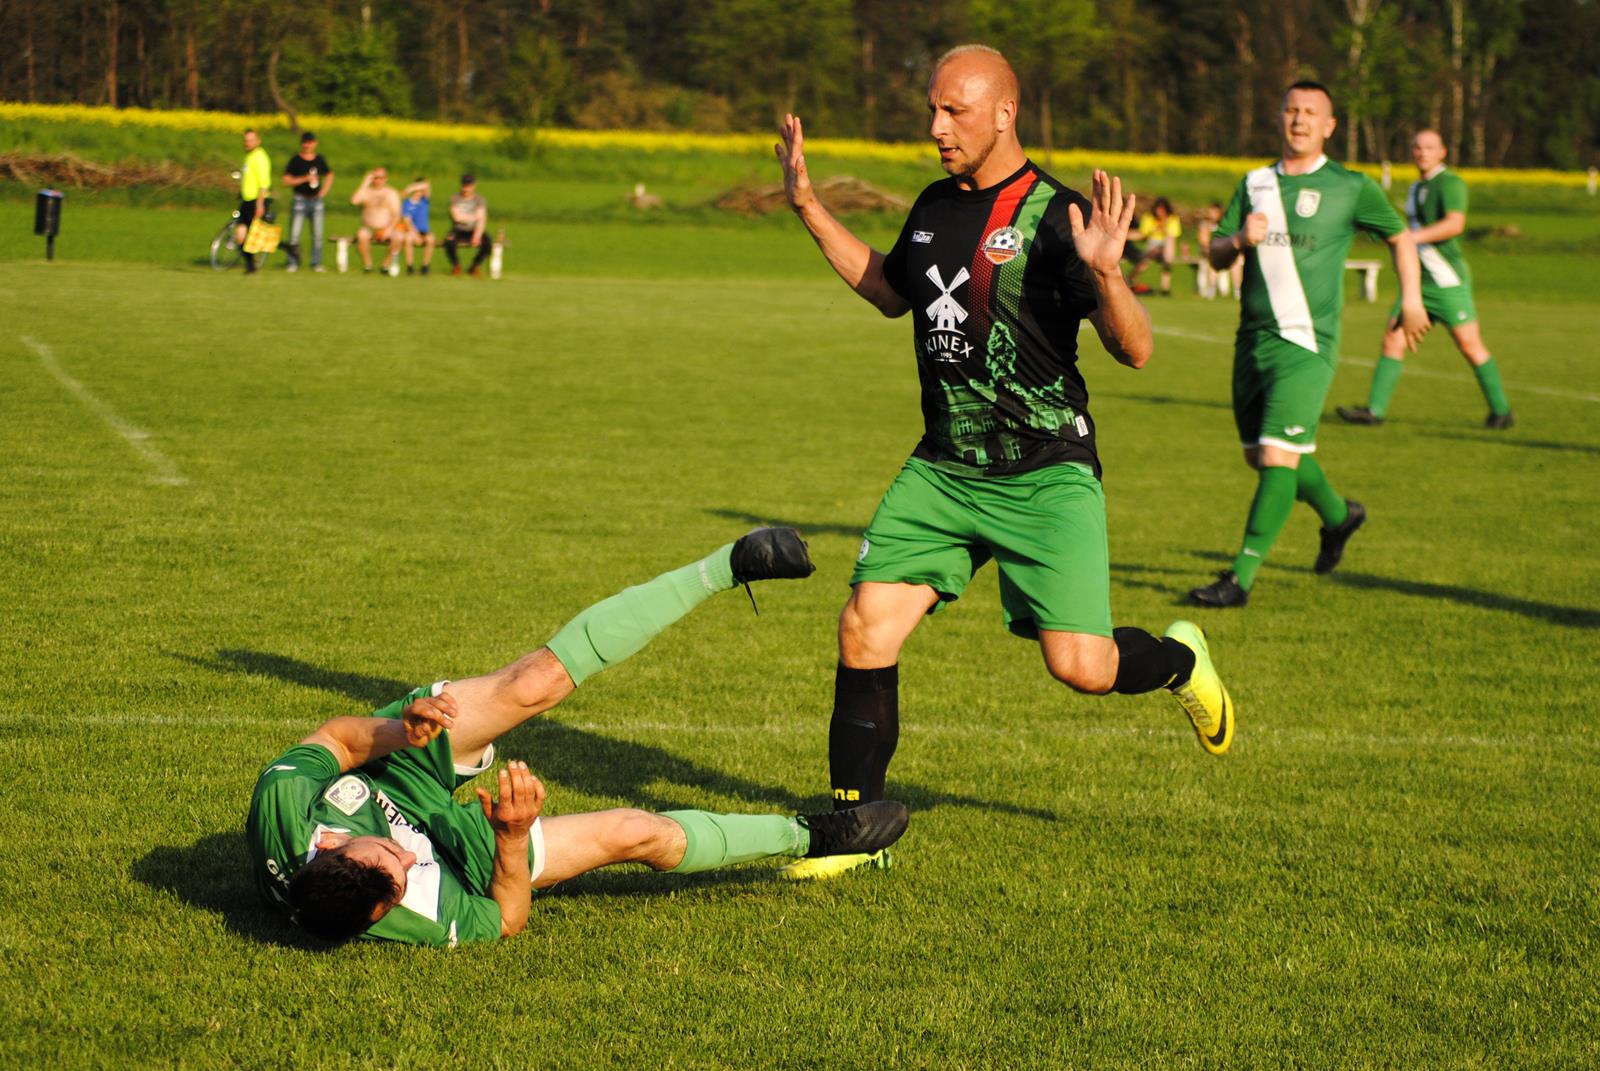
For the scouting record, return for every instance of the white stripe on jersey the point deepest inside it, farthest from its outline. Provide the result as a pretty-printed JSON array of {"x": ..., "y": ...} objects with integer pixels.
[
  {"x": 1284, "y": 289},
  {"x": 1433, "y": 261}
]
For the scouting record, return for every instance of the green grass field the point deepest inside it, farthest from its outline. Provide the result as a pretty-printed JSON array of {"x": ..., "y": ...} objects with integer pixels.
[{"x": 233, "y": 508}]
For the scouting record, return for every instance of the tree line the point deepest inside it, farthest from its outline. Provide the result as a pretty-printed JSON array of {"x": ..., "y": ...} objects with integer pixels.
[{"x": 1507, "y": 82}]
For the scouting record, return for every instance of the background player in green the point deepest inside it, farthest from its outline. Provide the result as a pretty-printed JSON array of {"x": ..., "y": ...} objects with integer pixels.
[
  {"x": 999, "y": 264},
  {"x": 354, "y": 830},
  {"x": 1293, "y": 221},
  {"x": 1436, "y": 208}
]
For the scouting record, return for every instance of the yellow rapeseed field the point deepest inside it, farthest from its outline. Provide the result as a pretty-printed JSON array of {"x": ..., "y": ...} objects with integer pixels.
[{"x": 688, "y": 141}]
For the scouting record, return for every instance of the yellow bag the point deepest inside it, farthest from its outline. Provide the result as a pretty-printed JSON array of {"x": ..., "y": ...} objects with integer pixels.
[{"x": 262, "y": 237}]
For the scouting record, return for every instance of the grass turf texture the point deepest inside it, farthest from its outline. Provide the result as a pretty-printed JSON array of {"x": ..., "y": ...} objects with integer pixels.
[{"x": 388, "y": 483}]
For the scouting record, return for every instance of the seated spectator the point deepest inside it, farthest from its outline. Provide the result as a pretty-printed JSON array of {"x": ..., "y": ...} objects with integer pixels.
[
  {"x": 469, "y": 218},
  {"x": 381, "y": 220},
  {"x": 1209, "y": 281},
  {"x": 1154, "y": 241},
  {"x": 414, "y": 209}
]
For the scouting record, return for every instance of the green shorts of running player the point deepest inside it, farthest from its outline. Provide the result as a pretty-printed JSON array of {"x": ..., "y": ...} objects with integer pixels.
[
  {"x": 1045, "y": 529},
  {"x": 1278, "y": 391},
  {"x": 1448, "y": 306}
]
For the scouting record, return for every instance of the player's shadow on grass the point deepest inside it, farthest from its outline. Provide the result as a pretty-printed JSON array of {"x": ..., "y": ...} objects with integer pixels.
[
  {"x": 1570, "y": 616},
  {"x": 1165, "y": 399},
  {"x": 1496, "y": 438},
  {"x": 591, "y": 762},
  {"x": 213, "y": 874},
  {"x": 806, "y": 527}
]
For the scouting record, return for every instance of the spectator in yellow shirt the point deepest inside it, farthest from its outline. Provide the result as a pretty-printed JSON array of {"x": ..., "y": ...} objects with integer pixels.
[
  {"x": 255, "y": 182},
  {"x": 1154, "y": 241}
]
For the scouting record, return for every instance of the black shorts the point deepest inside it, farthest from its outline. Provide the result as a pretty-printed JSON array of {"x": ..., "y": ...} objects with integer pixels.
[
  {"x": 461, "y": 237},
  {"x": 247, "y": 212}
]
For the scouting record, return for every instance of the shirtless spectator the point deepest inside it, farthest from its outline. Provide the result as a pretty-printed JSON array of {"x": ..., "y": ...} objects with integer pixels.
[
  {"x": 380, "y": 218},
  {"x": 469, "y": 217}
]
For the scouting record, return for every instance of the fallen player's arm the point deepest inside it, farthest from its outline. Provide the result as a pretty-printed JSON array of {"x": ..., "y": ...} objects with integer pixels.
[
  {"x": 1447, "y": 228},
  {"x": 357, "y": 741},
  {"x": 856, "y": 262},
  {"x": 511, "y": 816}
]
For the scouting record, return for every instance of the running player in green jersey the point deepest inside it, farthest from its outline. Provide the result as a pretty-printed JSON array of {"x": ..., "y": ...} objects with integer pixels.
[
  {"x": 1436, "y": 208},
  {"x": 354, "y": 831},
  {"x": 1293, "y": 220},
  {"x": 999, "y": 264}
]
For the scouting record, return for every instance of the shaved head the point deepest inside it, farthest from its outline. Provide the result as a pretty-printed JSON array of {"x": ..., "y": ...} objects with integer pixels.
[
  {"x": 972, "y": 102},
  {"x": 1427, "y": 149}
]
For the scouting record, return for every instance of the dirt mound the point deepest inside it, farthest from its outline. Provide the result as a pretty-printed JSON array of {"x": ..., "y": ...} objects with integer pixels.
[
  {"x": 72, "y": 172},
  {"x": 842, "y": 194}
]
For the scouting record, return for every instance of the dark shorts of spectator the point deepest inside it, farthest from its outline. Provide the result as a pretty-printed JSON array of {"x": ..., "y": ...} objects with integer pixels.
[
  {"x": 1137, "y": 252},
  {"x": 457, "y": 236}
]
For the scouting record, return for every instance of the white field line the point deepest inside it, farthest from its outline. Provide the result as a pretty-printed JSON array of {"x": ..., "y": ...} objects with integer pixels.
[
  {"x": 165, "y": 471},
  {"x": 1411, "y": 370}
]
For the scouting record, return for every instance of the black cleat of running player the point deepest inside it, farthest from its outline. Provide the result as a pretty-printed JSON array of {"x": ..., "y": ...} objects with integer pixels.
[
  {"x": 1334, "y": 539},
  {"x": 861, "y": 830},
  {"x": 1499, "y": 421},
  {"x": 1358, "y": 414},
  {"x": 771, "y": 554},
  {"x": 1222, "y": 592}
]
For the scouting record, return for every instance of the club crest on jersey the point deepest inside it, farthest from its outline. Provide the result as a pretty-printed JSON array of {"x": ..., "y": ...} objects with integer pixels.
[
  {"x": 348, "y": 794},
  {"x": 1002, "y": 245},
  {"x": 1305, "y": 205}
]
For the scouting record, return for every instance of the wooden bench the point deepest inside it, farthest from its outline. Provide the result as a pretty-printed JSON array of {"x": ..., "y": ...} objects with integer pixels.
[
  {"x": 342, "y": 243},
  {"x": 1204, "y": 285},
  {"x": 1369, "y": 270}
]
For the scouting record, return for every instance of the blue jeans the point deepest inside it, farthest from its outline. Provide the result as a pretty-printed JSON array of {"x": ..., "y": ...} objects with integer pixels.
[{"x": 303, "y": 207}]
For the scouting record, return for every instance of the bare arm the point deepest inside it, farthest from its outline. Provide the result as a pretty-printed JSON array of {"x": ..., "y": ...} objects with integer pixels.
[
  {"x": 1122, "y": 323},
  {"x": 1447, "y": 228},
  {"x": 858, "y": 264},
  {"x": 357, "y": 741},
  {"x": 1413, "y": 316},
  {"x": 360, "y": 196},
  {"x": 511, "y": 815},
  {"x": 327, "y": 185}
]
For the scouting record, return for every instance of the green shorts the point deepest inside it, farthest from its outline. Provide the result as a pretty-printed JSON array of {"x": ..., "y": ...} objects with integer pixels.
[
  {"x": 1278, "y": 391},
  {"x": 1046, "y": 529},
  {"x": 1450, "y": 306}
]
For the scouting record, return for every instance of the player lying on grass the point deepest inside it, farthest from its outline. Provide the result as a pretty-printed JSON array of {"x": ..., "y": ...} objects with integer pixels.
[{"x": 354, "y": 831}]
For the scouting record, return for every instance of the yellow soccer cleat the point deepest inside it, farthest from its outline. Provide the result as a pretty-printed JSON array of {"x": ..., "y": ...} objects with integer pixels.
[
  {"x": 1203, "y": 696},
  {"x": 831, "y": 866}
]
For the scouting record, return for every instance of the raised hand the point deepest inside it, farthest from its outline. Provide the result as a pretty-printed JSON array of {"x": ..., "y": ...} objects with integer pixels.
[
  {"x": 425, "y": 718},
  {"x": 791, "y": 154},
  {"x": 1254, "y": 231},
  {"x": 1100, "y": 241},
  {"x": 520, "y": 800}
]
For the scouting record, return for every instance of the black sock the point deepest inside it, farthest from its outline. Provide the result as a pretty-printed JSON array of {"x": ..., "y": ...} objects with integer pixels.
[
  {"x": 863, "y": 733},
  {"x": 1147, "y": 663}
]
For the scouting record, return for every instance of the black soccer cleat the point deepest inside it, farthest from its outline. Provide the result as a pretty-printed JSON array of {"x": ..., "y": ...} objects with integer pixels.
[
  {"x": 770, "y": 554},
  {"x": 1358, "y": 414},
  {"x": 1222, "y": 592},
  {"x": 1334, "y": 539},
  {"x": 861, "y": 830},
  {"x": 1499, "y": 421}
]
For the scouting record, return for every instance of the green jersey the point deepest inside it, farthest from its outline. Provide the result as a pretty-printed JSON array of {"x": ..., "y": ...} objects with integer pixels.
[
  {"x": 405, "y": 796},
  {"x": 1430, "y": 198},
  {"x": 1294, "y": 280}
]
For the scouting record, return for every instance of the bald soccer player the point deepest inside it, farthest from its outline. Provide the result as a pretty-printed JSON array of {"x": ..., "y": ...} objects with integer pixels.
[
  {"x": 1436, "y": 209},
  {"x": 998, "y": 264}
]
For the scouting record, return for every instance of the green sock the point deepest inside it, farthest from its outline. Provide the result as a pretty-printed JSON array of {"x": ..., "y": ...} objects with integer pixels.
[
  {"x": 716, "y": 840},
  {"x": 1385, "y": 378},
  {"x": 1488, "y": 374},
  {"x": 1312, "y": 487},
  {"x": 610, "y": 631},
  {"x": 1268, "y": 514}
]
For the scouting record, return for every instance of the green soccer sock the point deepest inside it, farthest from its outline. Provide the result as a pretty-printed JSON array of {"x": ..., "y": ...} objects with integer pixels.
[
  {"x": 1268, "y": 514},
  {"x": 610, "y": 631},
  {"x": 716, "y": 840},
  {"x": 1488, "y": 374},
  {"x": 1385, "y": 378},
  {"x": 1312, "y": 488}
]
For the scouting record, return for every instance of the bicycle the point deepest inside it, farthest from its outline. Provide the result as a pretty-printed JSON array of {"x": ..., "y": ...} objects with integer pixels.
[{"x": 225, "y": 250}]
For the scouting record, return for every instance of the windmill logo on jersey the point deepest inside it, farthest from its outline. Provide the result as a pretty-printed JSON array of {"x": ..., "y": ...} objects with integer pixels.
[
  {"x": 1305, "y": 205},
  {"x": 945, "y": 342},
  {"x": 1002, "y": 246}
]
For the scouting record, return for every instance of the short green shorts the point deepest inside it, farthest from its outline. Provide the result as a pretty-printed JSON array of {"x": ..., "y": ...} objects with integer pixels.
[
  {"x": 1450, "y": 306},
  {"x": 1278, "y": 391},
  {"x": 1045, "y": 529}
]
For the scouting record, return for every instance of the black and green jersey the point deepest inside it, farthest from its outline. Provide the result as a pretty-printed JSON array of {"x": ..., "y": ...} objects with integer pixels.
[
  {"x": 997, "y": 293},
  {"x": 405, "y": 796},
  {"x": 1294, "y": 280},
  {"x": 1430, "y": 198}
]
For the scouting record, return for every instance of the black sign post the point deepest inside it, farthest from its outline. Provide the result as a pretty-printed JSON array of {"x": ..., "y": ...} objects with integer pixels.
[{"x": 47, "y": 219}]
